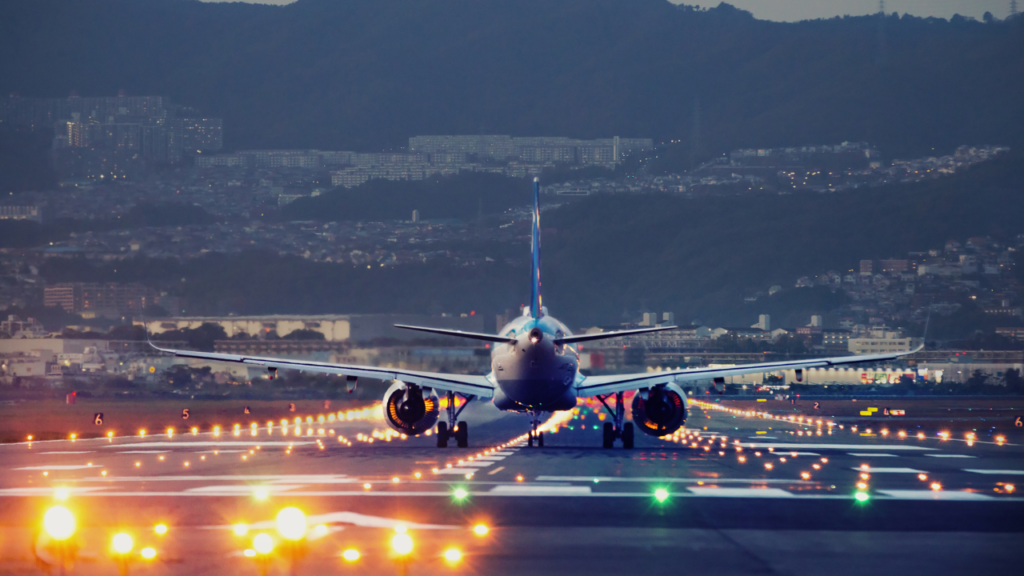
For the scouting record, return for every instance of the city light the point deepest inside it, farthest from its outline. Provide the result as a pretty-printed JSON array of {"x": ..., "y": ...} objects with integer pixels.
[{"x": 59, "y": 523}]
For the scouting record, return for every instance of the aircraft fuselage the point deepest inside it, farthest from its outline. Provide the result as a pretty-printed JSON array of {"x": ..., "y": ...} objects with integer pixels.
[{"x": 534, "y": 373}]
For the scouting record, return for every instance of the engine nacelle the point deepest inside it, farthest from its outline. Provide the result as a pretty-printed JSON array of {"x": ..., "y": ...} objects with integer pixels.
[
  {"x": 409, "y": 410},
  {"x": 661, "y": 410}
]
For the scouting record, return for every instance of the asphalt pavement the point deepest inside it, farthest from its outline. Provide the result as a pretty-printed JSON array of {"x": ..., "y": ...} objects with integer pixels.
[{"x": 733, "y": 493}]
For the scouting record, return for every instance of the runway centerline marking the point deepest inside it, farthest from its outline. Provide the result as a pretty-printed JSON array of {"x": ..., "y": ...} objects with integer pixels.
[
  {"x": 1001, "y": 472},
  {"x": 950, "y": 456},
  {"x": 528, "y": 490},
  {"x": 61, "y": 467},
  {"x": 496, "y": 470},
  {"x": 874, "y": 470},
  {"x": 874, "y": 455},
  {"x": 935, "y": 495},
  {"x": 741, "y": 492},
  {"x": 797, "y": 446}
]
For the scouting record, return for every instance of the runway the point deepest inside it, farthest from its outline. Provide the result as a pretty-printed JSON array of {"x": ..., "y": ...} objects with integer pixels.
[{"x": 733, "y": 494}]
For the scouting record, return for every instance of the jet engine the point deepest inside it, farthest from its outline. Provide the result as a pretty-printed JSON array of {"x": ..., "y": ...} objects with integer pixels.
[
  {"x": 659, "y": 411},
  {"x": 410, "y": 409}
]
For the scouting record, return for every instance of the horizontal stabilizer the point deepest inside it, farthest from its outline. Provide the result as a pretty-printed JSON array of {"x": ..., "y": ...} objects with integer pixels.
[
  {"x": 458, "y": 333},
  {"x": 606, "y": 335}
]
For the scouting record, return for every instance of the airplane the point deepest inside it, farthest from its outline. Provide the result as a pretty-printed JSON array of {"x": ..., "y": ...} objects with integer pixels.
[{"x": 534, "y": 370}]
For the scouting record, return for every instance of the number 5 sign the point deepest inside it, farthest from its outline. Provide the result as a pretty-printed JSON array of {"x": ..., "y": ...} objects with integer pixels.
[{"x": 184, "y": 413}]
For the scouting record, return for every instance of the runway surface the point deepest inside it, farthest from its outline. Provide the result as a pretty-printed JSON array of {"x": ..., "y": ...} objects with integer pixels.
[{"x": 732, "y": 494}]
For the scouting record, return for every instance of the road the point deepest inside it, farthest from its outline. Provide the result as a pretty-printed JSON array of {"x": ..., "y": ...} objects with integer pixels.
[{"x": 733, "y": 494}]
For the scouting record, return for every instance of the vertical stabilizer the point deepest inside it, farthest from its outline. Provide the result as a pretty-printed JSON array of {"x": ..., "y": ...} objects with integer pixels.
[{"x": 535, "y": 298}]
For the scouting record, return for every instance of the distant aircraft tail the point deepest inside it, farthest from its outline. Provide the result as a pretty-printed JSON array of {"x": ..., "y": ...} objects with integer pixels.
[{"x": 535, "y": 298}]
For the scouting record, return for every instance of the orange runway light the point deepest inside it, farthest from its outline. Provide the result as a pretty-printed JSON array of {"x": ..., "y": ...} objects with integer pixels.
[{"x": 936, "y": 486}]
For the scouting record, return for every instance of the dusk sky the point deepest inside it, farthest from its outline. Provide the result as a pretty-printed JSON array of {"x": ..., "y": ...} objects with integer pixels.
[{"x": 790, "y": 10}]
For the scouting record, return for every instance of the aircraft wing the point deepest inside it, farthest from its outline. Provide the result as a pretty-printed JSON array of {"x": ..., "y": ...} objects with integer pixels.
[
  {"x": 477, "y": 386},
  {"x": 595, "y": 385}
]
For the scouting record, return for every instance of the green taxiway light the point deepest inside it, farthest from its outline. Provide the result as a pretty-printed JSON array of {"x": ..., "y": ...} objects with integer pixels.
[
  {"x": 661, "y": 495},
  {"x": 861, "y": 496},
  {"x": 460, "y": 493}
]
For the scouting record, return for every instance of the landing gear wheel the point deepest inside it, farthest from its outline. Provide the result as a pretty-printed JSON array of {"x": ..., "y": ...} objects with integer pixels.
[
  {"x": 627, "y": 435},
  {"x": 540, "y": 439},
  {"x": 609, "y": 435},
  {"x": 462, "y": 435},
  {"x": 442, "y": 434}
]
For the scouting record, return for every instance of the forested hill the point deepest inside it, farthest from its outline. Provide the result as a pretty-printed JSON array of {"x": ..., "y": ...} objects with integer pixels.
[{"x": 367, "y": 74}]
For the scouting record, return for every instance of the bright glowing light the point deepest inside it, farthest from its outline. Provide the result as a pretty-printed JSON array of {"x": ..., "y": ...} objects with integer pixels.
[
  {"x": 480, "y": 529},
  {"x": 460, "y": 493},
  {"x": 249, "y": 553},
  {"x": 261, "y": 493},
  {"x": 61, "y": 494},
  {"x": 350, "y": 555},
  {"x": 402, "y": 544},
  {"x": 936, "y": 486},
  {"x": 123, "y": 543},
  {"x": 922, "y": 477},
  {"x": 861, "y": 496},
  {"x": 263, "y": 544},
  {"x": 321, "y": 529},
  {"x": 240, "y": 529},
  {"x": 452, "y": 555},
  {"x": 291, "y": 523},
  {"x": 661, "y": 494},
  {"x": 59, "y": 523},
  {"x": 160, "y": 529}
]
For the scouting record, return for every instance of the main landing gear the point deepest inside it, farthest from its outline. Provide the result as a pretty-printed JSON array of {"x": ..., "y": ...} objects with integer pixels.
[
  {"x": 535, "y": 435},
  {"x": 618, "y": 428},
  {"x": 453, "y": 429}
]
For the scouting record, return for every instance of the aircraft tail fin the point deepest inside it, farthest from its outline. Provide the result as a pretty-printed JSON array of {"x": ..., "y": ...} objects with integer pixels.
[{"x": 535, "y": 298}]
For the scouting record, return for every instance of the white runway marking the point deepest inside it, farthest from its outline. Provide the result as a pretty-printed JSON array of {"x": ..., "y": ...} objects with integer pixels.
[
  {"x": 874, "y": 470},
  {"x": 493, "y": 458},
  {"x": 528, "y": 490},
  {"x": 352, "y": 518},
  {"x": 462, "y": 471},
  {"x": 241, "y": 489},
  {"x": 504, "y": 453},
  {"x": 211, "y": 443},
  {"x": 648, "y": 480},
  {"x": 872, "y": 455},
  {"x": 791, "y": 446},
  {"x": 60, "y": 467},
  {"x": 1000, "y": 472},
  {"x": 477, "y": 464},
  {"x": 741, "y": 492},
  {"x": 69, "y": 452},
  {"x": 221, "y": 451},
  {"x": 496, "y": 470},
  {"x": 934, "y": 495},
  {"x": 144, "y": 452},
  {"x": 48, "y": 491},
  {"x": 275, "y": 478},
  {"x": 950, "y": 456}
]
